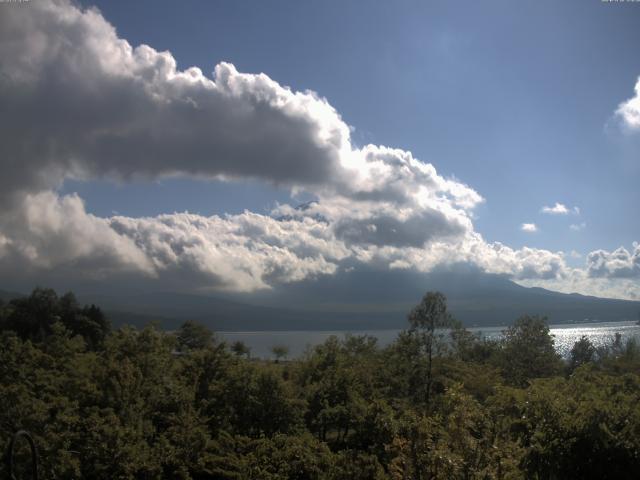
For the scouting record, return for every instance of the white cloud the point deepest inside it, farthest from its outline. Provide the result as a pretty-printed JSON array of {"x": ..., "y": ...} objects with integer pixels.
[
  {"x": 249, "y": 251},
  {"x": 577, "y": 227},
  {"x": 524, "y": 263},
  {"x": 88, "y": 105},
  {"x": 47, "y": 232},
  {"x": 529, "y": 227},
  {"x": 80, "y": 102},
  {"x": 577, "y": 281},
  {"x": 629, "y": 111},
  {"x": 617, "y": 264},
  {"x": 558, "y": 209},
  {"x": 243, "y": 252}
]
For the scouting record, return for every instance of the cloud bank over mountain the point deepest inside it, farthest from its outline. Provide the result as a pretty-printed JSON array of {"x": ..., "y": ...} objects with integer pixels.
[
  {"x": 81, "y": 103},
  {"x": 617, "y": 264}
]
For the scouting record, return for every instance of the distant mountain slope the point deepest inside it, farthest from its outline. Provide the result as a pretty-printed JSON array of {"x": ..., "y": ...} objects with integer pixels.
[
  {"x": 5, "y": 295},
  {"x": 356, "y": 300},
  {"x": 474, "y": 297},
  {"x": 362, "y": 301},
  {"x": 171, "y": 309}
]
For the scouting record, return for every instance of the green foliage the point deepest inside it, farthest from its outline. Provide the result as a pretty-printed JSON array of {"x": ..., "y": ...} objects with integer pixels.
[
  {"x": 33, "y": 317},
  {"x": 430, "y": 321},
  {"x": 193, "y": 336},
  {"x": 585, "y": 427},
  {"x": 285, "y": 457},
  {"x": 280, "y": 352},
  {"x": 582, "y": 352},
  {"x": 528, "y": 351},
  {"x": 241, "y": 349},
  {"x": 438, "y": 403}
]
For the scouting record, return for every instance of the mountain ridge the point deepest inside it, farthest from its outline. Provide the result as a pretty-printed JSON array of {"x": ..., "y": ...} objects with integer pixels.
[{"x": 359, "y": 301}]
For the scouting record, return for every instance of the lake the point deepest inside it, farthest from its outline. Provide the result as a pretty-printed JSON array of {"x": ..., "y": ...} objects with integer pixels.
[{"x": 600, "y": 334}]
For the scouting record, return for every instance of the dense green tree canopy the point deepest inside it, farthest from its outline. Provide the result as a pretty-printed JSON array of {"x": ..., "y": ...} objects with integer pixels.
[
  {"x": 33, "y": 317},
  {"x": 193, "y": 336},
  {"x": 528, "y": 351},
  {"x": 131, "y": 404}
]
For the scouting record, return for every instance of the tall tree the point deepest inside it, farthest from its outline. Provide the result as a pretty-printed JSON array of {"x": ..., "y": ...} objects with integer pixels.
[
  {"x": 240, "y": 349},
  {"x": 583, "y": 351},
  {"x": 528, "y": 351},
  {"x": 428, "y": 320},
  {"x": 194, "y": 336},
  {"x": 32, "y": 317},
  {"x": 280, "y": 351}
]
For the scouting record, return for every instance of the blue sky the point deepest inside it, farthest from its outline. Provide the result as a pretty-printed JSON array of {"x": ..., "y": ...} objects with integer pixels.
[
  {"x": 512, "y": 98},
  {"x": 506, "y": 107}
]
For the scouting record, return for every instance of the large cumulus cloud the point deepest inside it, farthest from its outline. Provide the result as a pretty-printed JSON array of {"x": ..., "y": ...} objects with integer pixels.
[
  {"x": 243, "y": 252},
  {"x": 619, "y": 263},
  {"x": 48, "y": 232},
  {"x": 606, "y": 273},
  {"x": 80, "y": 102}
]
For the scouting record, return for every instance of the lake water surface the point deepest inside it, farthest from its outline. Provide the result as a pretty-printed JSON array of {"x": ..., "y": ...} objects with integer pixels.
[{"x": 565, "y": 336}]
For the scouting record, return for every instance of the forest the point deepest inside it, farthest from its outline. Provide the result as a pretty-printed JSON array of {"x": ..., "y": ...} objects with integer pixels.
[{"x": 438, "y": 403}]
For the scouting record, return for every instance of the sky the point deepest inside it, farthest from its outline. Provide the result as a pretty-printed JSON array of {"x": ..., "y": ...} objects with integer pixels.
[{"x": 172, "y": 144}]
